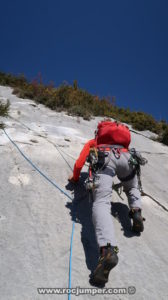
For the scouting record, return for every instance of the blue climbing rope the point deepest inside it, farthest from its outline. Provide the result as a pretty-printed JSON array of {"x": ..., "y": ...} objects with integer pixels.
[
  {"x": 70, "y": 258},
  {"x": 61, "y": 190}
]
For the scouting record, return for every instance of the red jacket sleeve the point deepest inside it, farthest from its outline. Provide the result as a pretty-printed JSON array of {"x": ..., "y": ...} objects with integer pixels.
[{"x": 82, "y": 158}]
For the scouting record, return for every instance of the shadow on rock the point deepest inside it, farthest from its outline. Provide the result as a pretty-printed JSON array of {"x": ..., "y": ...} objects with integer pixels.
[
  {"x": 81, "y": 212},
  {"x": 120, "y": 211}
]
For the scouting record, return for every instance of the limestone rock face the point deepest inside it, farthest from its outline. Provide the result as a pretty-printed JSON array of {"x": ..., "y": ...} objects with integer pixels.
[{"x": 36, "y": 218}]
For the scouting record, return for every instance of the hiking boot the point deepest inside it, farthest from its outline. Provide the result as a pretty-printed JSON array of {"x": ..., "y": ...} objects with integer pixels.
[
  {"x": 108, "y": 260},
  {"x": 135, "y": 214}
]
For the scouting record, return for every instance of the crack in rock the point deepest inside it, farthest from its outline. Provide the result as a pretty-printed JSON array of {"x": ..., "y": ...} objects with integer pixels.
[
  {"x": 149, "y": 138},
  {"x": 24, "y": 143},
  {"x": 156, "y": 201},
  {"x": 155, "y": 153}
]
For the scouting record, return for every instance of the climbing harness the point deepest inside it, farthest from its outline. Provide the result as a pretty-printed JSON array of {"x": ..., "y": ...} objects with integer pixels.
[{"x": 96, "y": 160}]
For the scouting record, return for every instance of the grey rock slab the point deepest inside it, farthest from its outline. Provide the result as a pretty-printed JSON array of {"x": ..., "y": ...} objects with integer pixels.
[{"x": 36, "y": 219}]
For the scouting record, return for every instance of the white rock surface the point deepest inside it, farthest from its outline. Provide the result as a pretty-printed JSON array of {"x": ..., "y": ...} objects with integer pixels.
[{"x": 36, "y": 219}]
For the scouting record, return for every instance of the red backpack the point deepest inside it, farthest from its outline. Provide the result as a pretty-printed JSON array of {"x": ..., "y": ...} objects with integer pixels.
[{"x": 113, "y": 133}]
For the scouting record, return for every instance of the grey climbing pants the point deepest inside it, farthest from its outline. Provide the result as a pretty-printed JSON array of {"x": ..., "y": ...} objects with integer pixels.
[{"x": 102, "y": 195}]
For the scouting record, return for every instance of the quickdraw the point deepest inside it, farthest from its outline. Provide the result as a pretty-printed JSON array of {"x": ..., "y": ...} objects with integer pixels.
[
  {"x": 116, "y": 152},
  {"x": 96, "y": 160},
  {"x": 137, "y": 161},
  {"x": 92, "y": 160}
]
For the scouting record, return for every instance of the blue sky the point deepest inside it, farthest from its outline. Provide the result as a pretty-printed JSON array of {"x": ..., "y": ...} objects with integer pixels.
[{"x": 113, "y": 48}]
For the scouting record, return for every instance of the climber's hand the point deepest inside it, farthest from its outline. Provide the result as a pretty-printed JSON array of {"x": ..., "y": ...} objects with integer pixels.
[{"x": 71, "y": 179}]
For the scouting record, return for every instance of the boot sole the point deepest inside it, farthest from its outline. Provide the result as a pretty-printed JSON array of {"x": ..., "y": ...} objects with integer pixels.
[
  {"x": 138, "y": 226},
  {"x": 102, "y": 274}
]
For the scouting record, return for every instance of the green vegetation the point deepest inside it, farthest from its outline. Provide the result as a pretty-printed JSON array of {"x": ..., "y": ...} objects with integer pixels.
[
  {"x": 4, "y": 108},
  {"x": 78, "y": 102}
]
